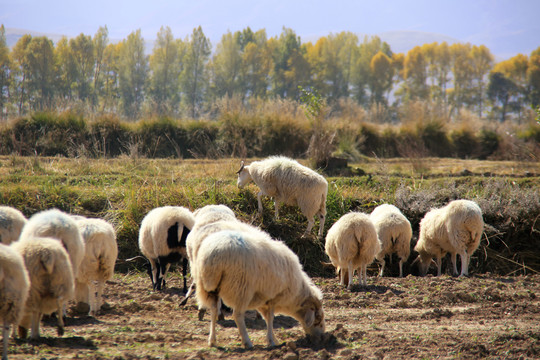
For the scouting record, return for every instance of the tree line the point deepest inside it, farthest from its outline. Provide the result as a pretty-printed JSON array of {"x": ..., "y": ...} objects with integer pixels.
[{"x": 185, "y": 78}]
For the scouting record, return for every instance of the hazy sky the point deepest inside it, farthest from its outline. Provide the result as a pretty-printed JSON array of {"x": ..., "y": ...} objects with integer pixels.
[{"x": 506, "y": 27}]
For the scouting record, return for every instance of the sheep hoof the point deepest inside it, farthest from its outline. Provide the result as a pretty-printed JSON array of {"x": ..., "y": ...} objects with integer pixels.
[
  {"x": 201, "y": 314},
  {"x": 60, "y": 331}
]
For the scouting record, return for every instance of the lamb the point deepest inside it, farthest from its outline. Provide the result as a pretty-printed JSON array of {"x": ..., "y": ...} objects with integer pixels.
[
  {"x": 51, "y": 281},
  {"x": 289, "y": 182},
  {"x": 14, "y": 286},
  {"x": 352, "y": 243},
  {"x": 11, "y": 224},
  {"x": 248, "y": 271},
  {"x": 394, "y": 232},
  {"x": 455, "y": 228},
  {"x": 162, "y": 240},
  {"x": 101, "y": 251},
  {"x": 61, "y": 226}
]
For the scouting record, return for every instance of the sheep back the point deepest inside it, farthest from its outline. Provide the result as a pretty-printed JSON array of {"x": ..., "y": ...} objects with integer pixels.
[
  {"x": 352, "y": 239},
  {"x": 50, "y": 273},
  {"x": 154, "y": 239},
  {"x": 291, "y": 183},
  {"x": 393, "y": 230},
  {"x": 60, "y": 226},
  {"x": 11, "y": 223},
  {"x": 101, "y": 250},
  {"x": 249, "y": 271},
  {"x": 14, "y": 285}
]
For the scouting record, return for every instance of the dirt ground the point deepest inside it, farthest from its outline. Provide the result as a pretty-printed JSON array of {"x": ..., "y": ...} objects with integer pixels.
[{"x": 484, "y": 316}]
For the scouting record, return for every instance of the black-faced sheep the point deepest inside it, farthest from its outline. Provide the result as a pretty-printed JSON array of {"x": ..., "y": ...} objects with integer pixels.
[
  {"x": 14, "y": 286},
  {"x": 11, "y": 223},
  {"x": 351, "y": 243},
  {"x": 251, "y": 272},
  {"x": 101, "y": 251},
  {"x": 162, "y": 240},
  {"x": 456, "y": 229},
  {"x": 51, "y": 281},
  {"x": 288, "y": 182},
  {"x": 394, "y": 232},
  {"x": 60, "y": 226}
]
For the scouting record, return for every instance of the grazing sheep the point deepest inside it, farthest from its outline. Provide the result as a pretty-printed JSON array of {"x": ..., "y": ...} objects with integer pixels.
[
  {"x": 394, "y": 232},
  {"x": 248, "y": 271},
  {"x": 213, "y": 213},
  {"x": 162, "y": 240},
  {"x": 56, "y": 224},
  {"x": 289, "y": 182},
  {"x": 455, "y": 228},
  {"x": 51, "y": 281},
  {"x": 351, "y": 243},
  {"x": 14, "y": 285},
  {"x": 11, "y": 224},
  {"x": 101, "y": 251}
]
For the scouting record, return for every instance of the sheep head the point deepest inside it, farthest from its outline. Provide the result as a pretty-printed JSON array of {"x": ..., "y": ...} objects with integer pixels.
[
  {"x": 311, "y": 316},
  {"x": 244, "y": 176}
]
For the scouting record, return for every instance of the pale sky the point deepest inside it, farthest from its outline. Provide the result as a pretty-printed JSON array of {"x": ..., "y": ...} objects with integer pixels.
[{"x": 506, "y": 27}]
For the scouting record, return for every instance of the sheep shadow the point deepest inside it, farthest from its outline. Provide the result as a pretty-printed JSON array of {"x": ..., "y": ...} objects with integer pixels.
[
  {"x": 254, "y": 322},
  {"x": 72, "y": 342},
  {"x": 379, "y": 289}
]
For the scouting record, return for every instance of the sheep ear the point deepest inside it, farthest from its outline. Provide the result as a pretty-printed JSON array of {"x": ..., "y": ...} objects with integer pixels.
[
  {"x": 47, "y": 261},
  {"x": 309, "y": 317},
  {"x": 241, "y": 167}
]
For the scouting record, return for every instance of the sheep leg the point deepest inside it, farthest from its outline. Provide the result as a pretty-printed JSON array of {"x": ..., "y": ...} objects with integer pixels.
[
  {"x": 5, "y": 334},
  {"x": 99, "y": 298},
  {"x": 259, "y": 196},
  {"x": 322, "y": 219},
  {"x": 276, "y": 208},
  {"x": 268, "y": 314},
  {"x": 401, "y": 267},
  {"x": 438, "y": 262},
  {"x": 310, "y": 224},
  {"x": 350, "y": 272},
  {"x": 239, "y": 319},
  {"x": 213, "y": 319},
  {"x": 184, "y": 273},
  {"x": 464, "y": 263},
  {"x": 152, "y": 271},
  {"x": 188, "y": 294},
  {"x": 93, "y": 299},
  {"x": 60, "y": 318},
  {"x": 453, "y": 260},
  {"x": 36, "y": 319},
  {"x": 382, "y": 266}
]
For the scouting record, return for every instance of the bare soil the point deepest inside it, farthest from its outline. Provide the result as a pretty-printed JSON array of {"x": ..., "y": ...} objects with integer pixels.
[{"x": 484, "y": 316}]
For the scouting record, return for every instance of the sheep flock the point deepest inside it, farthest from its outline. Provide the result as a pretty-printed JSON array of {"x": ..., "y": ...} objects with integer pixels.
[{"x": 54, "y": 259}]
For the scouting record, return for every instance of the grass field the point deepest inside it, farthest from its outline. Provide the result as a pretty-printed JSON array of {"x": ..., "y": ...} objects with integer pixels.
[{"x": 123, "y": 190}]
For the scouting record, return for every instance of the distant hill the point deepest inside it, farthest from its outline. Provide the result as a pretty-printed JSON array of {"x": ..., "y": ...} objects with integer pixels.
[{"x": 13, "y": 35}]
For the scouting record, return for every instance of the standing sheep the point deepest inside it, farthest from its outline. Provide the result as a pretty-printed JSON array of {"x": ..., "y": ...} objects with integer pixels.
[
  {"x": 14, "y": 285},
  {"x": 101, "y": 251},
  {"x": 56, "y": 224},
  {"x": 162, "y": 240},
  {"x": 248, "y": 271},
  {"x": 288, "y": 182},
  {"x": 351, "y": 243},
  {"x": 455, "y": 228},
  {"x": 394, "y": 232},
  {"x": 51, "y": 281},
  {"x": 11, "y": 224}
]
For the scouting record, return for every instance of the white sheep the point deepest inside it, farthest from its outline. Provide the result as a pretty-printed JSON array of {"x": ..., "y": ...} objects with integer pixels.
[
  {"x": 11, "y": 224},
  {"x": 51, "y": 281},
  {"x": 101, "y": 251},
  {"x": 394, "y": 232},
  {"x": 162, "y": 240},
  {"x": 248, "y": 272},
  {"x": 455, "y": 228},
  {"x": 14, "y": 286},
  {"x": 60, "y": 226},
  {"x": 351, "y": 243},
  {"x": 288, "y": 182}
]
